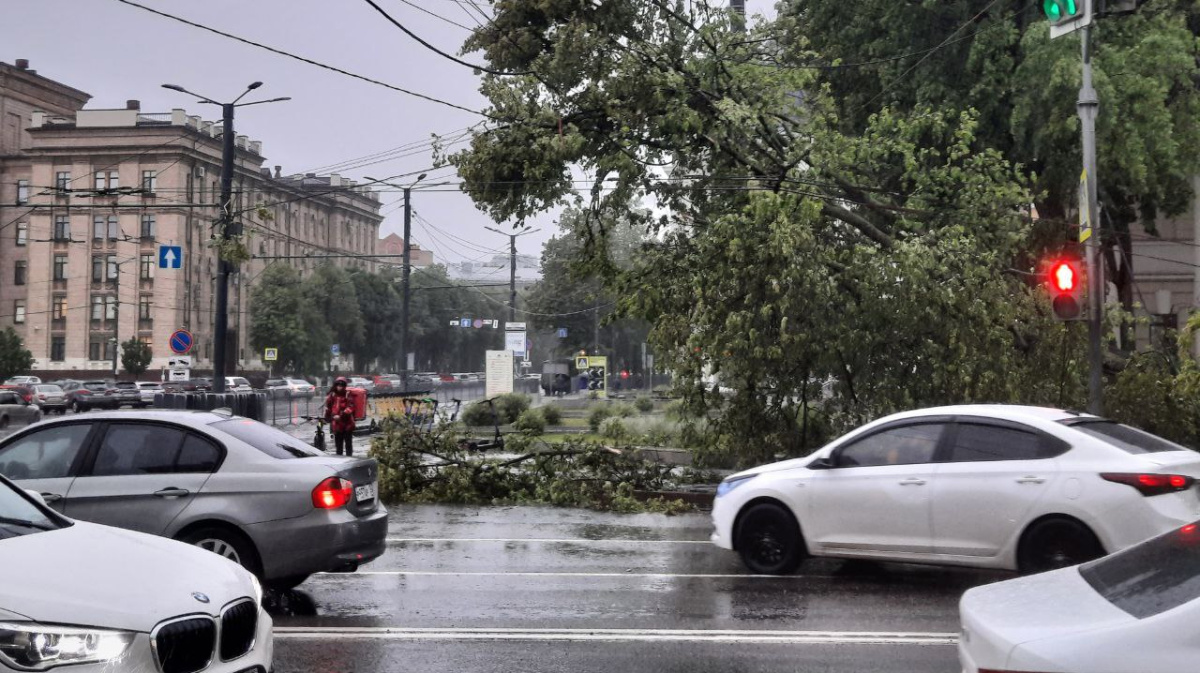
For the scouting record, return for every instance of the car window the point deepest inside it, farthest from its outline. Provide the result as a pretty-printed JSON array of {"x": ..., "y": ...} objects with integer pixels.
[
  {"x": 20, "y": 517},
  {"x": 137, "y": 448},
  {"x": 1153, "y": 577},
  {"x": 906, "y": 445},
  {"x": 266, "y": 439},
  {"x": 976, "y": 442},
  {"x": 126, "y": 385},
  {"x": 8, "y": 397},
  {"x": 1130, "y": 440},
  {"x": 99, "y": 387},
  {"x": 197, "y": 455},
  {"x": 45, "y": 454}
]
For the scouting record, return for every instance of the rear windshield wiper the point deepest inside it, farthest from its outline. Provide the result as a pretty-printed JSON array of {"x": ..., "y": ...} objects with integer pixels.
[{"x": 26, "y": 524}]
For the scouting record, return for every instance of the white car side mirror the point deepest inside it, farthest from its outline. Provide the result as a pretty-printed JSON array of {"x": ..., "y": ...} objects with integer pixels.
[{"x": 36, "y": 496}]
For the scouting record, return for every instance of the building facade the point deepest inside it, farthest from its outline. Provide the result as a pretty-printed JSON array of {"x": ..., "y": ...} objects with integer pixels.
[
  {"x": 394, "y": 245},
  {"x": 103, "y": 191}
]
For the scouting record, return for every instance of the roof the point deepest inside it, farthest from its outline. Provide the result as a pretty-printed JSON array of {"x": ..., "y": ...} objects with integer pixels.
[
  {"x": 1012, "y": 412},
  {"x": 193, "y": 418}
]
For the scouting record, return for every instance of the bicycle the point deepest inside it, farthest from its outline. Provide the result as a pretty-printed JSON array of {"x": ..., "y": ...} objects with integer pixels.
[{"x": 319, "y": 437}]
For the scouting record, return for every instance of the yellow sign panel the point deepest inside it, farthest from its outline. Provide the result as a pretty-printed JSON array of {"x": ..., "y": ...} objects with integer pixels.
[{"x": 270, "y": 354}]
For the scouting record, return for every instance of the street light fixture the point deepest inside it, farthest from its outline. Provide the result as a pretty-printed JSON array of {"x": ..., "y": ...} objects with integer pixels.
[{"x": 229, "y": 226}]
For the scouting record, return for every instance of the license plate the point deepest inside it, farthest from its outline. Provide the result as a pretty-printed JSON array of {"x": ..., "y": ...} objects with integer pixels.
[{"x": 365, "y": 493}]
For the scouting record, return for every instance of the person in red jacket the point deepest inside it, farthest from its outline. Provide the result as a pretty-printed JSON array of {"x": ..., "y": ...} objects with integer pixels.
[{"x": 339, "y": 413}]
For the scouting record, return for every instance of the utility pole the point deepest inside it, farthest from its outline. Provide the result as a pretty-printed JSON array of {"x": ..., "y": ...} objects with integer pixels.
[
  {"x": 1088, "y": 107},
  {"x": 227, "y": 226},
  {"x": 512, "y": 268},
  {"x": 116, "y": 319},
  {"x": 405, "y": 274}
]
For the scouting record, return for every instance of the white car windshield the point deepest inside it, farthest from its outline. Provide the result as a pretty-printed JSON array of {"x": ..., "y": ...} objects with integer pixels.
[{"x": 18, "y": 516}]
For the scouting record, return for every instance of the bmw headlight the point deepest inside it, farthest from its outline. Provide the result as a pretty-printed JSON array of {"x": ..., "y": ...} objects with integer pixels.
[
  {"x": 258, "y": 590},
  {"x": 35, "y": 647},
  {"x": 732, "y": 483}
]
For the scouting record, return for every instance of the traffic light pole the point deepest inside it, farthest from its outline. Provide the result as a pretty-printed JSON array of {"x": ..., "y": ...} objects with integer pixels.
[
  {"x": 1088, "y": 107},
  {"x": 406, "y": 282}
]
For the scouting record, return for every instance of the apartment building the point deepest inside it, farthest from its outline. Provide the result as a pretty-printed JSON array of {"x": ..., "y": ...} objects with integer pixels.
[{"x": 92, "y": 197}]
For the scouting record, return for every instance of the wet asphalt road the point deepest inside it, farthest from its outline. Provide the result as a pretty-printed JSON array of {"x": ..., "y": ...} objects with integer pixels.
[{"x": 547, "y": 589}]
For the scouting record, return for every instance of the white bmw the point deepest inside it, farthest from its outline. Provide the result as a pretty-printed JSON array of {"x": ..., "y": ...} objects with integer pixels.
[
  {"x": 90, "y": 598},
  {"x": 991, "y": 486}
]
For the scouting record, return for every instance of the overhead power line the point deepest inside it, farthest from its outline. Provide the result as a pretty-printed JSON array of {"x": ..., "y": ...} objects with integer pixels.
[{"x": 439, "y": 52}]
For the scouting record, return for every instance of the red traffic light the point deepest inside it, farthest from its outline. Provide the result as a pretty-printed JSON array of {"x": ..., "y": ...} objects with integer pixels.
[{"x": 1065, "y": 290}]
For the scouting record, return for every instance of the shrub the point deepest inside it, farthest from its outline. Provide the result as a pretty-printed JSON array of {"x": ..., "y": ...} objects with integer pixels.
[
  {"x": 593, "y": 394},
  {"x": 552, "y": 414},
  {"x": 510, "y": 406},
  {"x": 478, "y": 413},
  {"x": 531, "y": 422},
  {"x": 644, "y": 404},
  {"x": 624, "y": 410},
  {"x": 614, "y": 429},
  {"x": 596, "y": 415}
]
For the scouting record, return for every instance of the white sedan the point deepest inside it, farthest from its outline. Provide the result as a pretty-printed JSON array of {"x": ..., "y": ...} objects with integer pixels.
[
  {"x": 90, "y": 598},
  {"x": 990, "y": 486},
  {"x": 1132, "y": 612}
]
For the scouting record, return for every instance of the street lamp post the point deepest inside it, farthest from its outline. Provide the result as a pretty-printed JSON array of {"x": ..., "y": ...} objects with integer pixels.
[{"x": 229, "y": 225}]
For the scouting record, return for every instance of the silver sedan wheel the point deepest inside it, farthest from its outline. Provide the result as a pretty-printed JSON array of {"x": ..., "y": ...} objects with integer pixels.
[{"x": 220, "y": 547}]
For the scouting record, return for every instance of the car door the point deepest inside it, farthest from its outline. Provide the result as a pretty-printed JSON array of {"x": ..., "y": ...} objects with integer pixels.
[
  {"x": 46, "y": 460},
  {"x": 139, "y": 477},
  {"x": 876, "y": 495},
  {"x": 995, "y": 472}
]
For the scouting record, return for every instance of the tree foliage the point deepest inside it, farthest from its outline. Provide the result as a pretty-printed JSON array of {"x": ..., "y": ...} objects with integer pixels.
[
  {"x": 14, "y": 357},
  {"x": 282, "y": 317},
  {"x": 136, "y": 356}
]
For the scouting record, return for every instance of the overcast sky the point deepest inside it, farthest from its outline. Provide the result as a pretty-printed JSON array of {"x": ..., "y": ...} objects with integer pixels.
[{"x": 117, "y": 52}]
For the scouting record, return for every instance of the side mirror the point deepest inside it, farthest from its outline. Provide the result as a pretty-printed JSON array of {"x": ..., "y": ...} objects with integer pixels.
[
  {"x": 36, "y": 496},
  {"x": 825, "y": 463}
]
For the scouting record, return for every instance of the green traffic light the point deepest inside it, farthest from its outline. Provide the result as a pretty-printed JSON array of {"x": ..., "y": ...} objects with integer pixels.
[{"x": 1058, "y": 10}]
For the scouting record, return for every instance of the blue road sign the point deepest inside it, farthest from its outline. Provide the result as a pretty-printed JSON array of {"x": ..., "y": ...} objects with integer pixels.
[
  {"x": 170, "y": 256},
  {"x": 562, "y": 332},
  {"x": 180, "y": 341},
  {"x": 335, "y": 349}
]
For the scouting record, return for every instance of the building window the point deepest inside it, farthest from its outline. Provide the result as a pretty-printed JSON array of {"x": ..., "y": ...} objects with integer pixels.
[
  {"x": 112, "y": 227},
  {"x": 147, "y": 267},
  {"x": 19, "y": 272},
  {"x": 22, "y": 192},
  {"x": 19, "y": 311},
  {"x": 148, "y": 227},
  {"x": 144, "y": 304},
  {"x": 60, "y": 267},
  {"x": 97, "y": 269},
  {"x": 97, "y": 308},
  {"x": 94, "y": 350},
  {"x": 113, "y": 269},
  {"x": 98, "y": 227},
  {"x": 62, "y": 181},
  {"x": 107, "y": 180},
  {"x": 58, "y": 348},
  {"x": 62, "y": 227},
  {"x": 58, "y": 310},
  {"x": 150, "y": 181},
  {"x": 110, "y": 308},
  {"x": 22, "y": 233},
  {"x": 110, "y": 349}
]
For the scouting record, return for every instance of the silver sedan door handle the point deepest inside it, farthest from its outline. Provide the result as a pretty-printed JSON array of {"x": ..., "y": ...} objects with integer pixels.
[
  {"x": 51, "y": 497},
  {"x": 912, "y": 481},
  {"x": 1031, "y": 480},
  {"x": 172, "y": 492}
]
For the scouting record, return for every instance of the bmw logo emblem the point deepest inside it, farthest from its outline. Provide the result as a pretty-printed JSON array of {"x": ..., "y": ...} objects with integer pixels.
[{"x": 200, "y": 597}]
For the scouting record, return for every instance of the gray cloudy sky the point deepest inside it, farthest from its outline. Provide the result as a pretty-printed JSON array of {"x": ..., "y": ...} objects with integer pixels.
[{"x": 117, "y": 52}]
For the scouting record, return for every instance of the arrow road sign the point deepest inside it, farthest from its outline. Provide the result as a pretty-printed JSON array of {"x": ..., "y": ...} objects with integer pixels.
[
  {"x": 180, "y": 341},
  {"x": 170, "y": 256}
]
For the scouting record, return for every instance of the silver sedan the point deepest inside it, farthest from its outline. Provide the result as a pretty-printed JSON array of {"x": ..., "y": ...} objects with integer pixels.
[{"x": 228, "y": 484}]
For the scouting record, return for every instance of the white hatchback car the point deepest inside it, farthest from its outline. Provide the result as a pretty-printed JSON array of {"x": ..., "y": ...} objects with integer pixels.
[
  {"x": 993, "y": 486},
  {"x": 90, "y": 598},
  {"x": 1131, "y": 612}
]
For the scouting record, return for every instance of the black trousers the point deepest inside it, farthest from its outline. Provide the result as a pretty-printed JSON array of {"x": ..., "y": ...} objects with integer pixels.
[{"x": 346, "y": 440}]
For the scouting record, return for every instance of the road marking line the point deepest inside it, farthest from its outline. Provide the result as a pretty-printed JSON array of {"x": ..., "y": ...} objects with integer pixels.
[
  {"x": 648, "y": 635},
  {"x": 545, "y": 540},
  {"x": 464, "y": 573}
]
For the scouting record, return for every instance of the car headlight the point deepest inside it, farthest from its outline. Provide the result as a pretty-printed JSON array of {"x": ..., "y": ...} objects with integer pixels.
[
  {"x": 258, "y": 590},
  {"x": 35, "y": 647},
  {"x": 732, "y": 483}
]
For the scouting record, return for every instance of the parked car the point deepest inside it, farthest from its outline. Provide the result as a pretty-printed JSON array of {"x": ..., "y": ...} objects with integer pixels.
[
  {"x": 95, "y": 598},
  {"x": 276, "y": 388},
  {"x": 26, "y": 391},
  {"x": 50, "y": 398},
  {"x": 447, "y": 378},
  {"x": 1130, "y": 612},
  {"x": 187, "y": 386},
  {"x": 22, "y": 381},
  {"x": 82, "y": 396},
  {"x": 127, "y": 392},
  {"x": 995, "y": 486},
  {"x": 15, "y": 410},
  {"x": 361, "y": 382},
  {"x": 237, "y": 384},
  {"x": 183, "y": 475},
  {"x": 384, "y": 382},
  {"x": 148, "y": 389},
  {"x": 300, "y": 388}
]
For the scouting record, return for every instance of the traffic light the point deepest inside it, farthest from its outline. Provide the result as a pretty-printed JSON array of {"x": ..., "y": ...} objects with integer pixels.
[
  {"x": 1067, "y": 16},
  {"x": 1066, "y": 289}
]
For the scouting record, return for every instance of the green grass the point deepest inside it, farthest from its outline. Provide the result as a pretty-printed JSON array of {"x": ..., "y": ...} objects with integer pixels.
[{"x": 573, "y": 422}]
